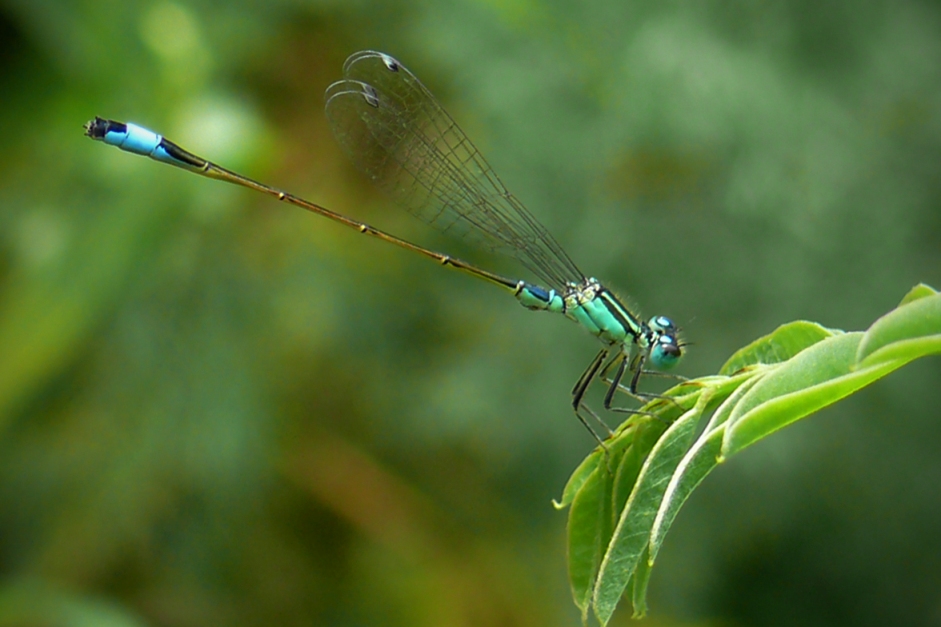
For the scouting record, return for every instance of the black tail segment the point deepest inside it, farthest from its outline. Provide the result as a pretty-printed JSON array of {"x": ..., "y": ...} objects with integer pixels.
[{"x": 99, "y": 127}]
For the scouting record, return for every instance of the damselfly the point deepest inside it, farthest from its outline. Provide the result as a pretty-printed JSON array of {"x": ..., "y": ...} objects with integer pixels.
[{"x": 401, "y": 137}]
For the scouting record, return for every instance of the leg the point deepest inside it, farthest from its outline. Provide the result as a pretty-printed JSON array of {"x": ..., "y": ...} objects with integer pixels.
[
  {"x": 637, "y": 369},
  {"x": 615, "y": 382},
  {"x": 668, "y": 375},
  {"x": 578, "y": 394},
  {"x": 587, "y": 425},
  {"x": 615, "y": 385}
]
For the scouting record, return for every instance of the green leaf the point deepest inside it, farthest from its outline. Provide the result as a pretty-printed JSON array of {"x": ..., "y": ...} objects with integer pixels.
[
  {"x": 906, "y": 333},
  {"x": 639, "y": 583},
  {"x": 581, "y": 475},
  {"x": 590, "y": 522},
  {"x": 698, "y": 462},
  {"x": 630, "y": 537},
  {"x": 816, "y": 377},
  {"x": 619, "y": 520},
  {"x": 919, "y": 291},
  {"x": 780, "y": 345}
]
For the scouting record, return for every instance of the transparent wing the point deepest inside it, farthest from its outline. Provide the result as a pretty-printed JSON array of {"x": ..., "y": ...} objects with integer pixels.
[{"x": 401, "y": 137}]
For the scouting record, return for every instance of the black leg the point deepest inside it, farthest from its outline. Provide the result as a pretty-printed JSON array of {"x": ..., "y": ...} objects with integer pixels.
[
  {"x": 637, "y": 367},
  {"x": 615, "y": 382},
  {"x": 657, "y": 373},
  {"x": 578, "y": 394},
  {"x": 587, "y": 425},
  {"x": 631, "y": 390}
]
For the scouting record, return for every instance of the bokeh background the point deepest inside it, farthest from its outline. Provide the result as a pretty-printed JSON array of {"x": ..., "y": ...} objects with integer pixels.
[{"x": 219, "y": 410}]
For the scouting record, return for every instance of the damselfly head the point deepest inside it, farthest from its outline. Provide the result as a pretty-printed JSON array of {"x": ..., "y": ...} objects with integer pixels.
[
  {"x": 665, "y": 345},
  {"x": 665, "y": 352}
]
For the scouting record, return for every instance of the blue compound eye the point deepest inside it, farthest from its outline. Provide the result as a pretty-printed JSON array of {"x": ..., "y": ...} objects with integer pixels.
[
  {"x": 662, "y": 324},
  {"x": 666, "y": 352}
]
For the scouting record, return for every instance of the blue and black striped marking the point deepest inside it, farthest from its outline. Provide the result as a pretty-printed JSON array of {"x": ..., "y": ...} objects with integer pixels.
[
  {"x": 141, "y": 141},
  {"x": 539, "y": 298}
]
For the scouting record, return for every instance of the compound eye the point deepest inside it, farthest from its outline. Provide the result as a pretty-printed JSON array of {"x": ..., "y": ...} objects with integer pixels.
[
  {"x": 662, "y": 324},
  {"x": 666, "y": 352}
]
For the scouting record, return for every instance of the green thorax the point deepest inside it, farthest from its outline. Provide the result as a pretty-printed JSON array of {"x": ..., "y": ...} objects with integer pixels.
[{"x": 589, "y": 304}]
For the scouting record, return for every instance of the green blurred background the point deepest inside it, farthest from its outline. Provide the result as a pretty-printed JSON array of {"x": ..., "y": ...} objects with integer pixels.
[{"x": 219, "y": 410}]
